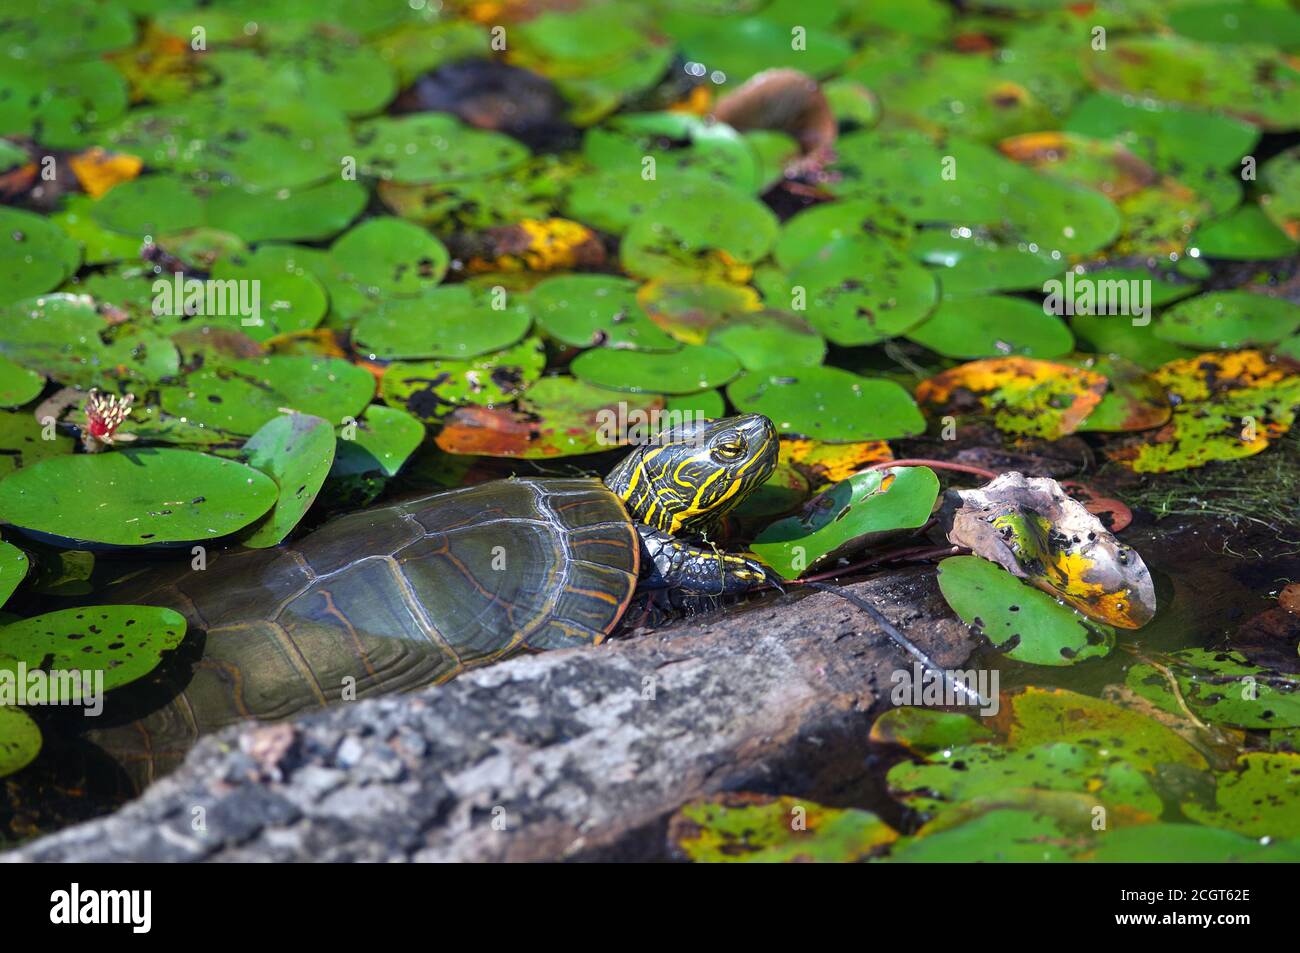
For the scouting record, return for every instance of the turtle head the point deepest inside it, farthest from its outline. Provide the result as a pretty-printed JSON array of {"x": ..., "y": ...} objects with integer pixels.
[{"x": 690, "y": 476}]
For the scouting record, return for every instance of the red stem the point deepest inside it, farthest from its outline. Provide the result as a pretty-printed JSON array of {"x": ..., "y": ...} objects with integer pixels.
[{"x": 935, "y": 465}]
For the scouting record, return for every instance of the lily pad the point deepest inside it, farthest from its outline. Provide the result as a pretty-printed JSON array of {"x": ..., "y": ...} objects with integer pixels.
[
  {"x": 847, "y": 517},
  {"x": 430, "y": 390},
  {"x": 992, "y": 326},
  {"x": 23, "y": 443},
  {"x": 957, "y": 775},
  {"x": 144, "y": 497},
  {"x": 433, "y": 148},
  {"x": 750, "y": 828},
  {"x": 968, "y": 264},
  {"x": 1028, "y": 625},
  {"x": 690, "y": 310},
  {"x": 825, "y": 463},
  {"x": 389, "y": 257},
  {"x": 123, "y": 642},
  {"x": 1022, "y": 395},
  {"x": 20, "y": 740},
  {"x": 1226, "y": 405},
  {"x": 1261, "y": 800},
  {"x": 35, "y": 255},
  {"x": 827, "y": 403},
  {"x": 689, "y": 239},
  {"x": 558, "y": 416},
  {"x": 1246, "y": 234},
  {"x": 925, "y": 731},
  {"x": 384, "y": 439},
  {"x": 1223, "y": 320},
  {"x": 1042, "y": 715},
  {"x": 13, "y": 569},
  {"x": 1186, "y": 844},
  {"x": 590, "y": 310},
  {"x": 1134, "y": 400},
  {"x": 693, "y": 368},
  {"x": 296, "y": 451},
  {"x": 18, "y": 385},
  {"x": 859, "y": 291},
  {"x": 450, "y": 322},
  {"x": 764, "y": 338},
  {"x": 1222, "y": 688}
]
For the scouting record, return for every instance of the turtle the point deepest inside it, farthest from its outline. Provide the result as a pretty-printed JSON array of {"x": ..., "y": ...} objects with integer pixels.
[{"x": 411, "y": 594}]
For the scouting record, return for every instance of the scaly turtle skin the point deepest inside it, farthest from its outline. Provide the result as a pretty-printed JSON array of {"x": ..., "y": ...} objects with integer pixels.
[{"x": 407, "y": 595}]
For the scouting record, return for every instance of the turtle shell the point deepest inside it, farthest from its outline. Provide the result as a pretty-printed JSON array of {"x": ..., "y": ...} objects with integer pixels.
[{"x": 387, "y": 599}]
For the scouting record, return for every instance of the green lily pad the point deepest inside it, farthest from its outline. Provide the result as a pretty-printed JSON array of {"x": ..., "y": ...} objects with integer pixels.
[
  {"x": 311, "y": 213},
  {"x": 142, "y": 497},
  {"x": 849, "y": 516},
  {"x": 688, "y": 239},
  {"x": 1261, "y": 800},
  {"x": 1000, "y": 836},
  {"x": 1222, "y": 688},
  {"x": 389, "y": 256},
  {"x": 860, "y": 290},
  {"x": 1186, "y": 844},
  {"x": 451, "y": 322},
  {"x": 748, "y": 828},
  {"x": 1280, "y": 177},
  {"x": 150, "y": 205},
  {"x": 13, "y": 569},
  {"x": 685, "y": 151},
  {"x": 1203, "y": 150},
  {"x": 20, "y": 740},
  {"x": 925, "y": 731},
  {"x": 99, "y": 245},
  {"x": 828, "y": 403},
  {"x": 821, "y": 225},
  {"x": 384, "y": 439},
  {"x": 589, "y": 310},
  {"x": 690, "y": 310},
  {"x": 738, "y": 48},
  {"x": 431, "y": 148},
  {"x": 22, "y": 440},
  {"x": 18, "y": 385},
  {"x": 1255, "y": 83},
  {"x": 1228, "y": 22},
  {"x": 1246, "y": 234},
  {"x": 691, "y": 369},
  {"x": 430, "y": 390},
  {"x": 290, "y": 298},
  {"x": 992, "y": 326},
  {"x": 1044, "y": 715},
  {"x": 240, "y": 397},
  {"x": 296, "y": 451},
  {"x": 707, "y": 404},
  {"x": 956, "y": 775},
  {"x": 1228, "y": 319},
  {"x": 1115, "y": 334},
  {"x": 123, "y": 642},
  {"x": 969, "y": 265},
  {"x": 1027, "y": 624},
  {"x": 35, "y": 255},
  {"x": 764, "y": 338},
  {"x": 1133, "y": 401}
]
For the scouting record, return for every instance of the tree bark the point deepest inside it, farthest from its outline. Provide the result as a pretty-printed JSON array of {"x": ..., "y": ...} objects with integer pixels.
[{"x": 583, "y": 753}]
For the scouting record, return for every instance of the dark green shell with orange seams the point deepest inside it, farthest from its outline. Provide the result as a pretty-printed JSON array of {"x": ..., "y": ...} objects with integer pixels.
[{"x": 389, "y": 599}]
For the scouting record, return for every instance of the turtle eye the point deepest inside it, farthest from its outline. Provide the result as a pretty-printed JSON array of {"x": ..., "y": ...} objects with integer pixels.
[{"x": 729, "y": 447}]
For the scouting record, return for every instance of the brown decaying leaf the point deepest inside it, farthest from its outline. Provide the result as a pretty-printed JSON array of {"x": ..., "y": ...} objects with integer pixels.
[
  {"x": 1031, "y": 528},
  {"x": 785, "y": 100}
]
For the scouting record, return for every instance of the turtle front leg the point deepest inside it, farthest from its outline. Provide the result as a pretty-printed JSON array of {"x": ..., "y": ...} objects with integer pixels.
[{"x": 671, "y": 563}]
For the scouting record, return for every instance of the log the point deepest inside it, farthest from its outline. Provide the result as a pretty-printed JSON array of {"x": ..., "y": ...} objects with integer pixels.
[{"x": 576, "y": 754}]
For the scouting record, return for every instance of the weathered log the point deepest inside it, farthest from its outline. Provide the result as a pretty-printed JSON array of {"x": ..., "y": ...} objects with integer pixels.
[{"x": 570, "y": 754}]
